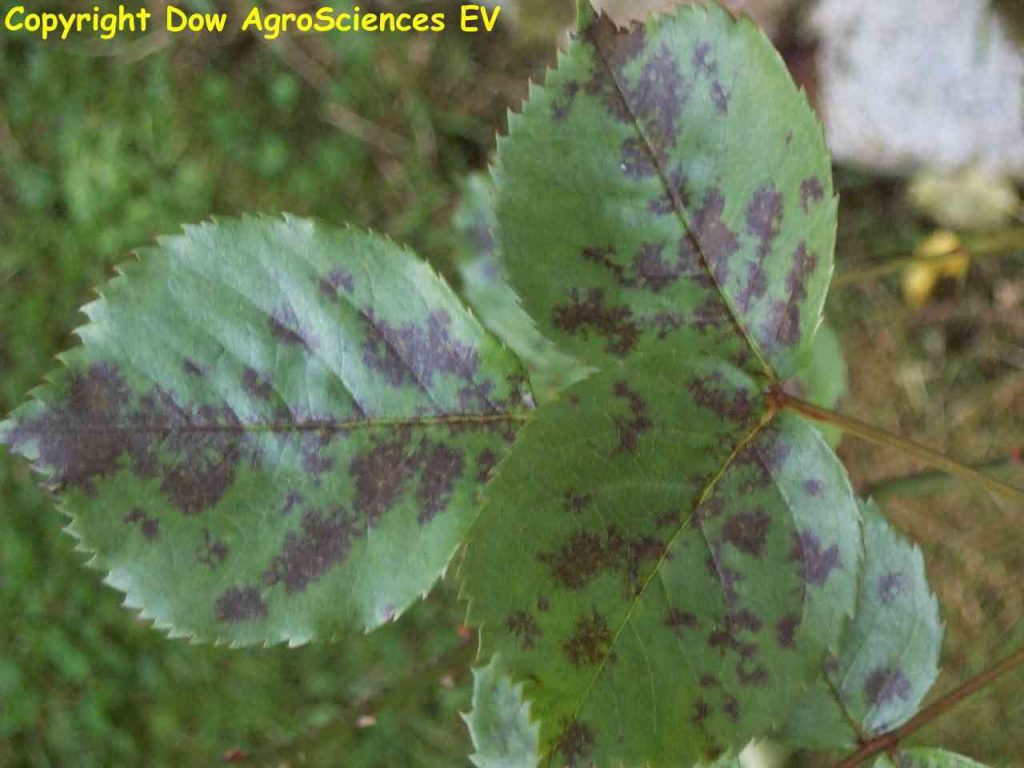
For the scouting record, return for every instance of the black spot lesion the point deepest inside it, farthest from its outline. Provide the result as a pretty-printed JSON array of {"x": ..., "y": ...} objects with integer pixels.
[
  {"x": 575, "y": 743},
  {"x": 716, "y": 241},
  {"x": 575, "y": 502},
  {"x": 335, "y": 282},
  {"x": 256, "y": 385},
  {"x": 411, "y": 354},
  {"x": 811, "y": 191},
  {"x": 713, "y": 393},
  {"x": 636, "y": 423},
  {"x": 523, "y": 627},
  {"x": 785, "y": 630},
  {"x": 149, "y": 526},
  {"x": 585, "y": 555},
  {"x": 441, "y": 469},
  {"x": 590, "y": 642},
  {"x": 677, "y": 620},
  {"x": 885, "y": 685},
  {"x": 589, "y": 312},
  {"x": 99, "y": 428},
  {"x": 705, "y": 64},
  {"x": 285, "y": 327},
  {"x": 383, "y": 472},
  {"x": 782, "y": 326},
  {"x": 764, "y": 222},
  {"x": 748, "y": 531},
  {"x": 818, "y": 561},
  {"x": 84, "y": 437},
  {"x": 892, "y": 585},
  {"x": 213, "y": 551},
  {"x": 240, "y": 603},
  {"x": 562, "y": 102},
  {"x": 291, "y": 502},
  {"x": 192, "y": 368},
  {"x": 486, "y": 461},
  {"x": 323, "y": 541}
]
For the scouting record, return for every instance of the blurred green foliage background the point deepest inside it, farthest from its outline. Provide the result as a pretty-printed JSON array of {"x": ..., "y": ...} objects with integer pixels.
[{"x": 105, "y": 146}]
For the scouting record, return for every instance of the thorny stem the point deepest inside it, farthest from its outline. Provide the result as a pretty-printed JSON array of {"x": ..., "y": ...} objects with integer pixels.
[
  {"x": 892, "y": 739},
  {"x": 1001, "y": 244},
  {"x": 878, "y": 436}
]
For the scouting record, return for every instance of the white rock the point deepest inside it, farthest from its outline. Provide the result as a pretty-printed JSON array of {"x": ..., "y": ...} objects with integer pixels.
[{"x": 909, "y": 85}]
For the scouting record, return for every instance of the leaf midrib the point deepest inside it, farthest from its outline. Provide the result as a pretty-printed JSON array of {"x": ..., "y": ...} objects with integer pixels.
[
  {"x": 680, "y": 210},
  {"x": 766, "y": 419},
  {"x": 767, "y": 370},
  {"x": 312, "y": 425}
]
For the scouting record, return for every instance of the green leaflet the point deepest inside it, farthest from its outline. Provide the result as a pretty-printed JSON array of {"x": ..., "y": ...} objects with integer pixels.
[
  {"x": 494, "y": 301},
  {"x": 499, "y": 723},
  {"x": 273, "y": 430},
  {"x": 662, "y": 564},
  {"x": 822, "y": 377},
  {"x": 889, "y": 655},
  {"x": 670, "y": 187},
  {"x": 664, "y": 560},
  {"x": 927, "y": 758}
]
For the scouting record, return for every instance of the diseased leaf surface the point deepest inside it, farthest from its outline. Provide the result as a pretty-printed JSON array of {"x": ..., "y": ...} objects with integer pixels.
[
  {"x": 663, "y": 565},
  {"x": 499, "y": 723},
  {"x": 669, "y": 187},
  {"x": 927, "y": 758},
  {"x": 890, "y": 652},
  {"x": 273, "y": 430},
  {"x": 494, "y": 301}
]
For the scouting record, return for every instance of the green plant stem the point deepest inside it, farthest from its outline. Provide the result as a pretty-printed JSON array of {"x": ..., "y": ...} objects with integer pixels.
[
  {"x": 878, "y": 436},
  {"x": 927, "y": 483},
  {"x": 892, "y": 739},
  {"x": 980, "y": 247}
]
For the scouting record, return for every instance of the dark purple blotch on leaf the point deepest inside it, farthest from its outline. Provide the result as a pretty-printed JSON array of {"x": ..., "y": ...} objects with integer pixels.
[
  {"x": 334, "y": 282},
  {"x": 818, "y": 562},
  {"x": 322, "y": 542},
  {"x": 885, "y": 685},
  {"x": 286, "y": 328},
  {"x": 240, "y": 604},
  {"x": 441, "y": 469},
  {"x": 590, "y": 641},
  {"x": 411, "y": 354},
  {"x": 785, "y": 630},
  {"x": 747, "y": 531},
  {"x": 192, "y": 368},
  {"x": 575, "y": 743},
  {"x": 892, "y": 585},
  {"x": 715, "y": 240},
  {"x": 523, "y": 627},
  {"x": 713, "y": 393},
  {"x": 97, "y": 429},
  {"x": 591, "y": 314},
  {"x": 678, "y": 620},
  {"x": 811, "y": 191},
  {"x": 255, "y": 385},
  {"x": 630, "y": 427},
  {"x": 149, "y": 526},
  {"x": 213, "y": 551},
  {"x": 782, "y": 326}
]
